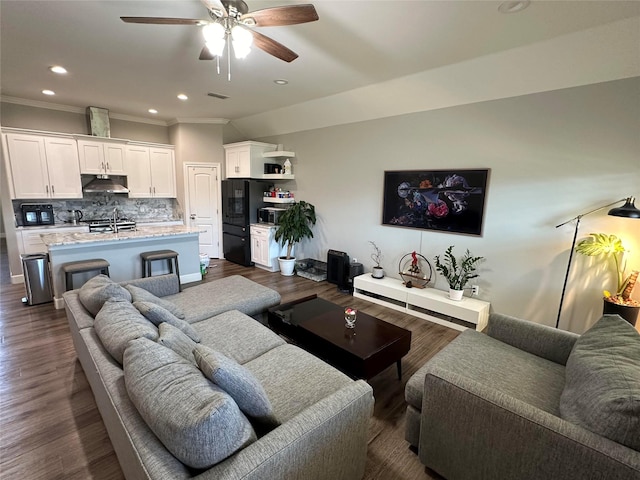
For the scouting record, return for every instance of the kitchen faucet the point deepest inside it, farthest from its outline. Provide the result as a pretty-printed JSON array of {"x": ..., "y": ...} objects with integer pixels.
[{"x": 114, "y": 219}]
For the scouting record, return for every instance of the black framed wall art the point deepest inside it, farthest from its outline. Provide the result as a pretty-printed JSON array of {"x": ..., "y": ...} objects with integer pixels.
[{"x": 444, "y": 200}]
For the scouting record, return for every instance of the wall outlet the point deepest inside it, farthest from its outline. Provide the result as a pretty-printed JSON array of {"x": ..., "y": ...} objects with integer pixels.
[{"x": 475, "y": 290}]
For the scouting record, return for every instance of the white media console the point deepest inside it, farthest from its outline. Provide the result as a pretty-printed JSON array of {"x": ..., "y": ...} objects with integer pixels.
[{"x": 427, "y": 303}]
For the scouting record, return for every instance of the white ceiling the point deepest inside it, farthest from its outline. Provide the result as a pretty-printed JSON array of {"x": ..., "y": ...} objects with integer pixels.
[{"x": 129, "y": 68}]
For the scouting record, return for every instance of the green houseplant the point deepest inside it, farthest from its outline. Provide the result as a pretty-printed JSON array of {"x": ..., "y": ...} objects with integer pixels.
[
  {"x": 610, "y": 246},
  {"x": 458, "y": 272},
  {"x": 295, "y": 225}
]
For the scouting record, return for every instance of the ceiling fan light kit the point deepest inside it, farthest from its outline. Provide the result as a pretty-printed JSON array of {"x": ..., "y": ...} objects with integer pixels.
[{"x": 233, "y": 24}]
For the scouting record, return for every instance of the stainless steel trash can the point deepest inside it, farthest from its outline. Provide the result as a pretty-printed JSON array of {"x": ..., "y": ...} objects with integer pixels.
[{"x": 37, "y": 280}]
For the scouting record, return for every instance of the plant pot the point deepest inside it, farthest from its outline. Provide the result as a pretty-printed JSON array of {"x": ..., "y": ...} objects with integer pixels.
[
  {"x": 628, "y": 312},
  {"x": 377, "y": 272},
  {"x": 455, "y": 294},
  {"x": 287, "y": 266}
]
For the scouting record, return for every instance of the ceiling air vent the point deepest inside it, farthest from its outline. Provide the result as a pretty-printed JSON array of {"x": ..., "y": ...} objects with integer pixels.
[{"x": 217, "y": 95}]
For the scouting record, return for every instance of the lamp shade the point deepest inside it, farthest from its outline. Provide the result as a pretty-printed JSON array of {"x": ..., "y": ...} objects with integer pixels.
[{"x": 628, "y": 210}]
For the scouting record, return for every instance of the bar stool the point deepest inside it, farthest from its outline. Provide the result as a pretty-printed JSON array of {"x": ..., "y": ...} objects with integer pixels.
[
  {"x": 97, "y": 265},
  {"x": 169, "y": 255}
]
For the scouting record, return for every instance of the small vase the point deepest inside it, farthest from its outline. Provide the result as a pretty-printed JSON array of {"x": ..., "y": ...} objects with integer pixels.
[
  {"x": 455, "y": 294},
  {"x": 377, "y": 272}
]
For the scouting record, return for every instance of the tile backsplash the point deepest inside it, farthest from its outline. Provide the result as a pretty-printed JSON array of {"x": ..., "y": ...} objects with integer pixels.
[{"x": 100, "y": 205}]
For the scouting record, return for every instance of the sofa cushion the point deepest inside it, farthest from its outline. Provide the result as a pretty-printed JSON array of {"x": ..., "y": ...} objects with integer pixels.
[
  {"x": 98, "y": 290},
  {"x": 141, "y": 295},
  {"x": 196, "y": 421},
  {"x": 176, "y": 340},
  {"x": 602, "y": 390},
  {"x": 529, "y": 378},
  {"x": 237, "y": 381},
  {"x": 117, "y": 323},
  {"x": 237, "y": 336},
  {"x": 294, "y": 379},
  {"x": 157, "y": 315},
  {"x": 229, "y": 293}
]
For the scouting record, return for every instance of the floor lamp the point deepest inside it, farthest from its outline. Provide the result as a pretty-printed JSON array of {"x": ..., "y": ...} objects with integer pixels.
[{"x": 628, "y": 210}]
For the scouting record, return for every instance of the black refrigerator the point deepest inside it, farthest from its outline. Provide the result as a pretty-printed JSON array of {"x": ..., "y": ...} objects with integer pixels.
[{"x": 241, "y": 200}]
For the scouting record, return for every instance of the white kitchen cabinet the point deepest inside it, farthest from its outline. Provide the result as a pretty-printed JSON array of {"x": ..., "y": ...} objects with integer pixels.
[
  {"x": 264, "y": 249},
  {"x": 100, "y": 157},
  {"x": 151, "y": 172},
  {"x": 245, "y": 160},
  {"x": 43, "y": 167}
]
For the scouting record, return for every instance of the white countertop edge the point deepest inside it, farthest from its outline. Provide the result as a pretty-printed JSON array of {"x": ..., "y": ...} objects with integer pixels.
[{"x": 64, "y": 240}]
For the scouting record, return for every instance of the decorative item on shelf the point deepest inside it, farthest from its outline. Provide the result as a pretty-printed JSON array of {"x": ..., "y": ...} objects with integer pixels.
[
  {"x": 458, "y": 272},
  {"x": 295, "y": 225},
  {"x": 287, "y": 167},
  {"x": 610, "y": 246},
  {"x": 350, "y": 315},
  {"x": 376, "y": 256},
  {"x": 415, "y": 271},
  {"x": 628, "y": 210}
]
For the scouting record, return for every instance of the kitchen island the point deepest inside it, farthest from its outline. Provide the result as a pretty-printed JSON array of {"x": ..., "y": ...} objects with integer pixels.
[{"x": 122, "y": 250}]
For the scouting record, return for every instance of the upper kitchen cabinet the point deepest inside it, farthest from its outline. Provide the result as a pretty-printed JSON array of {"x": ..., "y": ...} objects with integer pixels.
[
  {"x": 101, "y": 157},
  {"x": 244, "y": 159},
  {"x": 43, "y": 166},
  {"x": 151, "y": 171}
]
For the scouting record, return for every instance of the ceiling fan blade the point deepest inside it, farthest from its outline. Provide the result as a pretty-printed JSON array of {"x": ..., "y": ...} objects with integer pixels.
[
  {"x": 285, "y": 15},
  {"x": 216, "y": 7},
  {"x": 272, "y": 47},
  {"x": 163, "y": 21},
  {"x": 205, "y": 54}
]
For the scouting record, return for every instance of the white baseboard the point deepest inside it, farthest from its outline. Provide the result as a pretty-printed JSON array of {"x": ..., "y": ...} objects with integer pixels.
[
  {"x": 191, "y": 277},
  {"x": 15, "y": 279}
]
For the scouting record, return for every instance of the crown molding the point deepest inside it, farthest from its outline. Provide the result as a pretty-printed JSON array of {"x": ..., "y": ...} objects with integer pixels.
[
  {"x": 212, "y": 121},
  {"x": 41, "y": 104},
  {"x": 112, "y": 115}
]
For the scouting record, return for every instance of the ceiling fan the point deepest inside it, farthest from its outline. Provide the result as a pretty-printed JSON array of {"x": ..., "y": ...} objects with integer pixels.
[{"x": 232, "y": 23}]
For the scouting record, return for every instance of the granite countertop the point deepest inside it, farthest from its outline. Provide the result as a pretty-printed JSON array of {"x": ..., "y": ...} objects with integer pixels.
[{"x": 57, "y": 239}]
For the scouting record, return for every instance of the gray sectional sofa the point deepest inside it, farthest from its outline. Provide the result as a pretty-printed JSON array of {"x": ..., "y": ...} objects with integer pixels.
[
  {"x": 530, "y": 402},
  {"x": 172, "y": 417}
]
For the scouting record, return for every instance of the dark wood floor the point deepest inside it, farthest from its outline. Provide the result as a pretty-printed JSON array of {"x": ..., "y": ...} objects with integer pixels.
[{"x": 50, "y": 427}]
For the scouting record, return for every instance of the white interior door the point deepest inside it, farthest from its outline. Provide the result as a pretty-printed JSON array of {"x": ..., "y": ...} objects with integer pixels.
[{"x": 203, "y": 208}]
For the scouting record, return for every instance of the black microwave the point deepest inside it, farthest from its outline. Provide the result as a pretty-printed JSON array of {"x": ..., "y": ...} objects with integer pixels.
[{"x": 34, "y": 214}]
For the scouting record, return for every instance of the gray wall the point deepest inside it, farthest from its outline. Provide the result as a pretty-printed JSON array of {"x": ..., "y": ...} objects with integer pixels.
[{"x": 552, "y": 156}]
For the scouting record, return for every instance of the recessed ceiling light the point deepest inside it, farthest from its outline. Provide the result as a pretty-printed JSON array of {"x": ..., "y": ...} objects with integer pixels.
[
  {"x": 182, "y": 96},
  {"x": 280, "y": 82},
  {"x": 153, "y": 110},
  {"x": 48, "y": 92},
  {"x": 513, "y": 7},
  {"x": 58, "y": 69}
]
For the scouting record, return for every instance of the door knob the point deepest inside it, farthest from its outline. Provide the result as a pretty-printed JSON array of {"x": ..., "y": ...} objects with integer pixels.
[{"x": 192, "y": 216}]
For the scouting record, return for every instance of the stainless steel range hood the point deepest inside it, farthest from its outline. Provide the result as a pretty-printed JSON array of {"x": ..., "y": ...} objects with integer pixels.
[{"x": 104, "y": 184}]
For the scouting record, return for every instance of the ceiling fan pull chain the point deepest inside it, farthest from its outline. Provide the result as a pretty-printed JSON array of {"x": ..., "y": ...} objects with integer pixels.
[{"x": 228, "y": 60}]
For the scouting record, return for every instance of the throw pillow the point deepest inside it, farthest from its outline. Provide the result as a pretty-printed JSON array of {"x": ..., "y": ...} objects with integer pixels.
[
  {"x": 237, "y": 381},
  {"x": 174, "y": 339},
  {"x": 117, "y": 323},
  {"x": 602, "y": 389},
  {"x": 141, "y": 295},
  {"x": 98, "y": 290},
  {"x": 195, "y": 420},
  {"x": 157, "y": 315}
]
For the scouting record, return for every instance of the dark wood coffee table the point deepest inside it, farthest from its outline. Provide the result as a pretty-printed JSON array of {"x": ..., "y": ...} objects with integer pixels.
[{"x": 318, "y": 326}]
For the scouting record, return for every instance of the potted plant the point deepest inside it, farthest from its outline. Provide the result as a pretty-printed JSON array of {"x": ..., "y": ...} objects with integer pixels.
[
  {"x": 458, "y": 272},
  {"x": 376, "y": 256},
  {"x": 295, "y": 225},
  {"x": 610, "y": 246}
]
